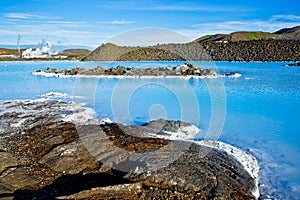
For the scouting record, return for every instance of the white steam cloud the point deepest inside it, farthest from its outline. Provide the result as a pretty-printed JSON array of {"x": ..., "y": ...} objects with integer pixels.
[{"x": 44, "y": 51}]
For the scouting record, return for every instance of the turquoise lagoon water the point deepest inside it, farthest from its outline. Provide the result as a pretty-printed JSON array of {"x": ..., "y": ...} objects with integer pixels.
[{"x": 260, "y": 109}]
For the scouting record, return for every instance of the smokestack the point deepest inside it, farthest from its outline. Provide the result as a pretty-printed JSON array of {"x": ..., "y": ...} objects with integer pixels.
[{"x": 18, "y": 44}]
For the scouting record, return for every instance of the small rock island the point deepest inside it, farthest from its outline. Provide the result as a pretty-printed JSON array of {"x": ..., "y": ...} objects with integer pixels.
[{"x": 186, "y": 69}]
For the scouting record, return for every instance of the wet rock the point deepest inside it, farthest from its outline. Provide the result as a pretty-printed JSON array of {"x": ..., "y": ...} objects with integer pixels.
[
  {"x": 50, "y": 155},
  {"x": 51, "y": 70},
  {"x": 119, "y": 70},
  {"x": 39, "y": 71}
]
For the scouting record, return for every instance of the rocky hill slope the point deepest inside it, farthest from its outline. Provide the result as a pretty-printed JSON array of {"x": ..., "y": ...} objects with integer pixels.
[{"x": 252, "y": 50}]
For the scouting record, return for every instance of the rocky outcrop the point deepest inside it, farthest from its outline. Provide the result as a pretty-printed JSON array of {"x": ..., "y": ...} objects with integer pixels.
[
  {"x": 252, "y": 50},
  {"x": 186, "y": 69},
  {"x": 52, "y": 149},
  {"x": 108, "y": 52}
]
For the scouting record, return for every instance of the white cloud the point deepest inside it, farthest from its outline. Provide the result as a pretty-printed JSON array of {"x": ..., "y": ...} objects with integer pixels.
[
  {"x": 63, "y": 22},
  {"x": 148, "y": 36},
  {"x": 68, "y": 24},
  {"x": 18, "y": 15},
  {"x": 191, "y": 8},
  {"x": 26, "y": 16},
  {"x": 117, "y": 22},
  {"x": 173, "y": 6},
  {"x": 275, "y": 23},
  {"x": 35, "y": 27},
  {"x": 70, "y": 32},
  {"x": 286, "y": 17}
]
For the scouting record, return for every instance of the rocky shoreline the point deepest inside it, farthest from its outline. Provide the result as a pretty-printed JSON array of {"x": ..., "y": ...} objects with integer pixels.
[{"x": 54, "y": 149}]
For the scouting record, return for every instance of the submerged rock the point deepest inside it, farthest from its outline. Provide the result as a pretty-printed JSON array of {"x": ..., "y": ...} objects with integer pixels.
[
  {"x": 51, "y": 149},
  {"x": 233, "y": 75},
  {"x": 296, "y": 64}
]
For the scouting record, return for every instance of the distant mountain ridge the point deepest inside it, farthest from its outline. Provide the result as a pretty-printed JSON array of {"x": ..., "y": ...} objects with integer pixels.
[
  {"x": 285, "y": 33},
  {"x": 289, "y": 32}
]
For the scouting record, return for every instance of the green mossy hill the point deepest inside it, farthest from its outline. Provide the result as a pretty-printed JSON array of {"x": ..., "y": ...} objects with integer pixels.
[
  {"x": 285, "y": 33},
  {"x": 237, "y": 36}
]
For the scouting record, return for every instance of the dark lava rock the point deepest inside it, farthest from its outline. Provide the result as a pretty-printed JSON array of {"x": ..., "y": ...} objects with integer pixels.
[{"x": 47, "y": 154}]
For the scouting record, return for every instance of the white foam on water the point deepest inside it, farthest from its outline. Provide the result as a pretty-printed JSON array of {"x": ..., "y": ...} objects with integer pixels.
[
  {"x": 80, "y": 114},
  {"x": 60, "y": 95},
  {"x": 104, "y": 121},
  {"x": 55, "y": 95}
]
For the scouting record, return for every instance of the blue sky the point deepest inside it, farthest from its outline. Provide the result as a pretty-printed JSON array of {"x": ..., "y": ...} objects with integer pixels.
[{"x": 90, "y": 23}]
